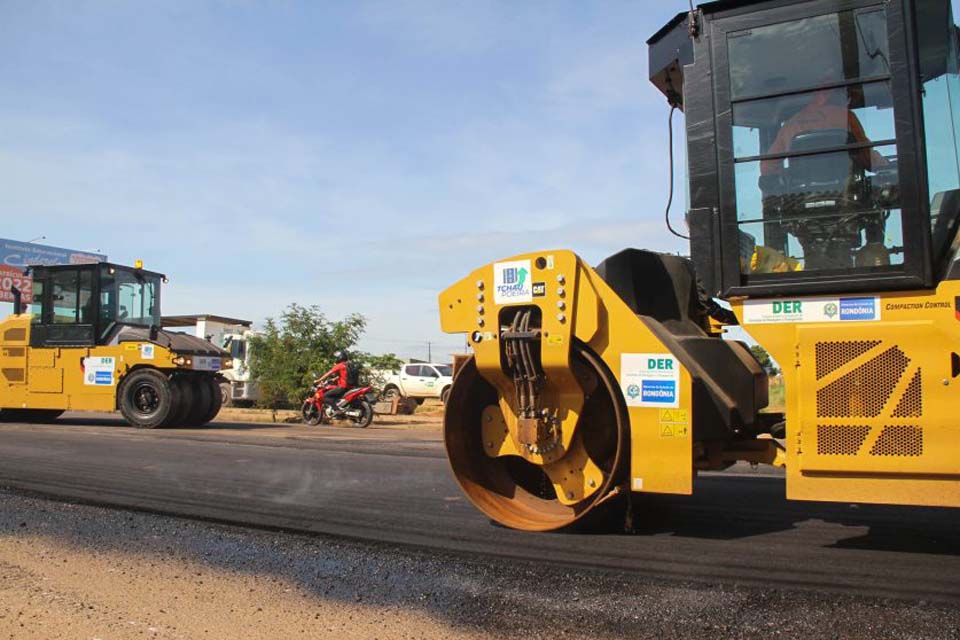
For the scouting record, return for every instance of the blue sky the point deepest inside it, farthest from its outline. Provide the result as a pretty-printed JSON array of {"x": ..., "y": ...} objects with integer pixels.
[
  {"x": 360, "y": 156},
  {"x": 356, "y": 155}
]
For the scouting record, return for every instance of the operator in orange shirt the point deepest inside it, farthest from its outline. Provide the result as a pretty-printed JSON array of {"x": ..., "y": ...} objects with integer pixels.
[{"x": 827, "y": 110}]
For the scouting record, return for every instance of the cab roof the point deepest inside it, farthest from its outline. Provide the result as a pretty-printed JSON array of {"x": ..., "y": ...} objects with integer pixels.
[
  {"x": 90, "y": 265},
  {"x": 707, "y": 8}
]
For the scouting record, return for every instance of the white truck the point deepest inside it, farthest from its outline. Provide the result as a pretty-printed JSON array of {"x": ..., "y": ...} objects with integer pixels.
[
  {"x": 241, "y": 388},
  {"x": 233, "y": 335},
  {"x": 419, "y": 381}
]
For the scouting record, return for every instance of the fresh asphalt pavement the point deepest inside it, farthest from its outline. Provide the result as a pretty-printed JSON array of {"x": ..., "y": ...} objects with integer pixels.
[{"x": 391, "y": 484}]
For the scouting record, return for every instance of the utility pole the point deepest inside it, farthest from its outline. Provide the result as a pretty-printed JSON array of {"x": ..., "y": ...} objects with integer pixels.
[{"x": 429, "y": 353}]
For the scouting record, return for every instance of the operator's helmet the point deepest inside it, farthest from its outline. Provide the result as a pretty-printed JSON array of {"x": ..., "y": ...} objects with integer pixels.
[{"x": 340, "y": 356}]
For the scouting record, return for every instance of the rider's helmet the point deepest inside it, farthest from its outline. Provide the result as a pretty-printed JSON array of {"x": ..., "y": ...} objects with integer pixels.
[{"x": 340, "y": 356}]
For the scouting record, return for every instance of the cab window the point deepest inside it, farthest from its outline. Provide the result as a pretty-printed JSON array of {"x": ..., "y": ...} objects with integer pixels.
[
  {"x": 238, "y": 349},
  {"x": 815, "y": 155},
  {"x": 128, "y": 297},
  {"x": 941, "y": 114},
  {"x": 36, "y": 307},
  {"x": 85, "y": 301},
  {"x": 64, "y": 297}
]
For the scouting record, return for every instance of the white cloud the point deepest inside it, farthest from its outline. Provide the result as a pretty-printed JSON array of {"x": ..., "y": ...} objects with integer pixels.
[{"x": 556, "y": 142}]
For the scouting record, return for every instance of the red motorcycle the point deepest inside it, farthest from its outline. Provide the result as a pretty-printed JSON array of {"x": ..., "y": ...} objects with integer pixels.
[{"x": 354, "y": 406}]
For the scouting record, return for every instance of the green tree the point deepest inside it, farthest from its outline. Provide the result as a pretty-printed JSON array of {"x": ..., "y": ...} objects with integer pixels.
[
  {"x": 374, "y": 368},
  {"x": 764, "y": 359},
  {"x": 291, "y": 351}
]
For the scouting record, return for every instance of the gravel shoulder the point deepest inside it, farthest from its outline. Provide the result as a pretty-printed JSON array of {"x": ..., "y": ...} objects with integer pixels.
[{"x": 76, "y": 571}]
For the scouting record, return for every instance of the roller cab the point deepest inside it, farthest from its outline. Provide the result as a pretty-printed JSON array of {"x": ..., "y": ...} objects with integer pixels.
[
  {"x": 90, "y": 340},
  {"x": 825, "y": 207},
  {"x": 823, "y": 218}
]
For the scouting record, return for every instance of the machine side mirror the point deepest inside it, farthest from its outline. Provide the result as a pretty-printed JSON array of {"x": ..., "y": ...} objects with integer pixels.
[{"x": 17, "y": 300}]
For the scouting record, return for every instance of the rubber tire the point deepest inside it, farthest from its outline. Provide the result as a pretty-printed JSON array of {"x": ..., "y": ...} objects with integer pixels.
[
  {"x": 367, "y": 415},
  {"x": 445, "y": 395},
  {"x": 419, "y": 401},
  {"x": 203, "y": 398},
  {"x": 215, "y": 396},
  {"x": 391, "y": 392},
  {"x": 226, "y": 394},
  {"x": 407, "y": 406},
  {"x": 310, "y": 414},
  {"x": 185, "y": 402},
  {"x": 166, "y": 395}
]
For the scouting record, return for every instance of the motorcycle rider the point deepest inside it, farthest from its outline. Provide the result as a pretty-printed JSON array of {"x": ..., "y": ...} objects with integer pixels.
[{"x": 335, "y": 394}]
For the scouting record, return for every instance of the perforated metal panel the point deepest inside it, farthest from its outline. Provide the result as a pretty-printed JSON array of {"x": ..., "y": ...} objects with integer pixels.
[
  {"x": 840, "y": 440},
  {"x": 872, "y": 411},
  {"x": 911, "y": 404},
  {"x": 899, "y": 440},
  {"x": 833, "y": 355},
  {"x": 863, "y": 392}
]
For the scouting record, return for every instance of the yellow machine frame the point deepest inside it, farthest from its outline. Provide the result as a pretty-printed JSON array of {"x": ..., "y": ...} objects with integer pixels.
[
  {"x": 870, "y": 403},
  {"x": 870, "y": 386},
  {"x": 59, "y": 378},
  {"x": 577, "y": 304}
]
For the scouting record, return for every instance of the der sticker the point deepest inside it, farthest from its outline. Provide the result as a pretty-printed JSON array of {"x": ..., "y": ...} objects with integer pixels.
[
  {"x": 650, "y": 379},
  {"x": 98, "y": 372}
]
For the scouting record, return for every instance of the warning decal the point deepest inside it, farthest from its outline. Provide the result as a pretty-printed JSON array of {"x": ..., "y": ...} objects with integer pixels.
[{"x": 674, "y": 423}]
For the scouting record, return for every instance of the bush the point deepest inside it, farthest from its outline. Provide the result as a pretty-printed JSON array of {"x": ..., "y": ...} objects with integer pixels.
[{"x": 292, "y": 351}]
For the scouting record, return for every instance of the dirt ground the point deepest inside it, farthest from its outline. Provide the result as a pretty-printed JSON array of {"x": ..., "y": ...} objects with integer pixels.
[
  {"x": 71, "y": 571},
  {"x": 50, "y": 590}
]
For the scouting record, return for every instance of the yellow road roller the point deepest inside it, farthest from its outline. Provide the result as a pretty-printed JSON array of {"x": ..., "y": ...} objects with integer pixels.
[
  {"x": 91, "y": 341},
  {"x": 824, "y": 205}
]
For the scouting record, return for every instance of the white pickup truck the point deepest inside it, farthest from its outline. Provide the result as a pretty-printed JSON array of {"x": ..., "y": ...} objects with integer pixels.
[{"x": 419, "y": 381}]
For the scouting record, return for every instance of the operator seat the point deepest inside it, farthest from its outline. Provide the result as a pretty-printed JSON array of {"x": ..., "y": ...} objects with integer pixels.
[
  {"x": 824, "y": 199},
  {"x": 822, "y": 173}
]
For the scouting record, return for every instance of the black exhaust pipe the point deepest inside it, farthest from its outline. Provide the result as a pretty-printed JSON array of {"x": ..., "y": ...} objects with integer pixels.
[{"x": 17, "y": 300}]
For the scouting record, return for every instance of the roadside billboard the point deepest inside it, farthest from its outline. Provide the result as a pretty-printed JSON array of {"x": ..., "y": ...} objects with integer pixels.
[
  {"x": 15, "y": 256},
  {"x": 13, "y": 277}
]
